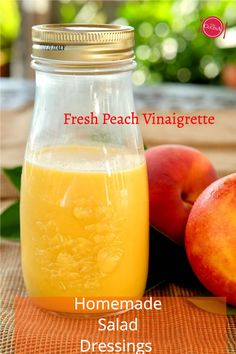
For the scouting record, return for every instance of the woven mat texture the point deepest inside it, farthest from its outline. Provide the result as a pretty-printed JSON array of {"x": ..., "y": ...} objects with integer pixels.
[{"x": 12, "y": 285}]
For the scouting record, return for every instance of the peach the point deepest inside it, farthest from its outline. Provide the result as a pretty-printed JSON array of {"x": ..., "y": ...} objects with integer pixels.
[
  {"x": 211, "y": 238},
  {"x": 177, "y": 174}
]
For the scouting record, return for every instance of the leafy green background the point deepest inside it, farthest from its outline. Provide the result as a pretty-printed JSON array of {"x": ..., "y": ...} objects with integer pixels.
[
  {"x": 168, "y": 46},
  {"x": 164, "y": 24}
]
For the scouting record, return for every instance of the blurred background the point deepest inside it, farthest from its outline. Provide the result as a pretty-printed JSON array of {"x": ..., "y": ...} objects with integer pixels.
[
  {"x": 179, "y": 70},
  {"x": 169, "y": 47}
]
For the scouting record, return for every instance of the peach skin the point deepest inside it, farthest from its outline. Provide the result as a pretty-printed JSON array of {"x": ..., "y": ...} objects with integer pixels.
[
  {"x": 211, "y": 238},
  {"x": 177, "y": 174}
]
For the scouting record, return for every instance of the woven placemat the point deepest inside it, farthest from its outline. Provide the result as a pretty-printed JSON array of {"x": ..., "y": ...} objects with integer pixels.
[{"x": 12, "y": 285}]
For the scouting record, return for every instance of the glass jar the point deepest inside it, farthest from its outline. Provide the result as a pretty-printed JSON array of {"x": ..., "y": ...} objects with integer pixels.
[{"x": 84, "y": 197}]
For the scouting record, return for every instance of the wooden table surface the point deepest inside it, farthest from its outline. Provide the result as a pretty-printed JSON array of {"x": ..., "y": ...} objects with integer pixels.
[{"x": 217, "y": 141}]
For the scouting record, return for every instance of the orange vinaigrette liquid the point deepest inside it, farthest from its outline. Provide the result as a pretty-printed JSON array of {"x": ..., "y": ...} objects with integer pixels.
[{"x": 84, "y": 223}]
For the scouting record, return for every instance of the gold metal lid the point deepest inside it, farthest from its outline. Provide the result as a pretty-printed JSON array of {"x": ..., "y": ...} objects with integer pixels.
[{"x": 84, "y": 44}]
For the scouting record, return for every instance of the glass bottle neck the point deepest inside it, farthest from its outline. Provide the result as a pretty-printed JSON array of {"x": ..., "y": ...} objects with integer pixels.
[{"x": 81, "y": 96}]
